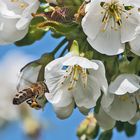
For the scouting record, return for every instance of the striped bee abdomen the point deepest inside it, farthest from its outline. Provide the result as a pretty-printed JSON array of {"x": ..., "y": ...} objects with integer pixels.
[{"x": 23, "y": 96}]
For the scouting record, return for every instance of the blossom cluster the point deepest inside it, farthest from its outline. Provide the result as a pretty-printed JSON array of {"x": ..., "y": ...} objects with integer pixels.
[{"x": 111, "y": 29}]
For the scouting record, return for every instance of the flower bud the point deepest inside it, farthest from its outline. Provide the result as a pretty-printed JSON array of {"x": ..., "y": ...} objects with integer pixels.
[
  {"x": 31, "y": 127},
  {"x": 88, "y": 128}
]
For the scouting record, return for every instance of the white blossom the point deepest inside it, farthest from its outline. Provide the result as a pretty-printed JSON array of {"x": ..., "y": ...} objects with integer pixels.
[
  {"x": 123, "y": 98},
  {"x": 109, "y": 24},
  {"x": 135, "y": 118},
  {"x": 135, "y": 45},
  {"x": 74, "y": 80},
  {"x": 15, "y": 16}
]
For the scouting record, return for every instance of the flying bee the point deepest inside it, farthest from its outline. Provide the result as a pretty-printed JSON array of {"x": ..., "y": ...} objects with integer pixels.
[
  {"x": 30, "y": 87},
  {"x": 34, "y": 95}
]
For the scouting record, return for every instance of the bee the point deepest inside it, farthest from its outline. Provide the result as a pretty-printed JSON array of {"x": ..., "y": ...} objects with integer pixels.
[
  {"x": 33, "y": 95},
  {"x": 31, "y": 87}
]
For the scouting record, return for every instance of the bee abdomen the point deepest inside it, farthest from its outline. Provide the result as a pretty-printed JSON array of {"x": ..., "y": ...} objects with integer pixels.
[{"x": 22, "y": 96}]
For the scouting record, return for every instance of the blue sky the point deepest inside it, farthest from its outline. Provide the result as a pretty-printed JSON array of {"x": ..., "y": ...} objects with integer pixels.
[{"x": 58, "y": 129}]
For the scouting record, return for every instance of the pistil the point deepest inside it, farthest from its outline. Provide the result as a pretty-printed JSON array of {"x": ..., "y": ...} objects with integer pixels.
[{"x": 73, "y": 73}]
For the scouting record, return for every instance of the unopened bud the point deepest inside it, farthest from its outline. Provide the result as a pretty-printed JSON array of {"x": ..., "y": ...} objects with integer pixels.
[
  {"x": 88, "y": 128},
  {"x": 75, "y": 48},
  {"x": 31, "y": 127}
]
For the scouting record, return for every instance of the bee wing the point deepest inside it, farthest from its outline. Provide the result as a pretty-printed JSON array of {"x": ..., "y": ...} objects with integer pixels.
[{"x": 28, "y": 76}]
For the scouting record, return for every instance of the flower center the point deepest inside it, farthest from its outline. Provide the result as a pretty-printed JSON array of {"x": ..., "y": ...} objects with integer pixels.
[
  {"x": 113, "y": 10},
  {"x": 73, "y": 73},
  {"x": 21, "y": 4},
  {"x": 124, "y": 97},
  {"x": 127, "y": 97}
]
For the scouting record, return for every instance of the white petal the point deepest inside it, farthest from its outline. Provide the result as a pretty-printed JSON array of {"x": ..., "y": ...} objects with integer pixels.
[
  {"x": 123, "y": 110},
  {"x": 107, "y": 100},
  {"x": 26, "y": 15},
  {"x": 87, "y": 96},
  {"x": 104, "y": 120},
  {"x": 138, "y": 96},
  {"x": 57, "y": 63},
  {"x": 22, "y": 23},
  {"x": 6, "y": 13},
  {"x": 92, "y": 21},
  {"x": 126, "y": 2},
  {"x": 125, "y": 83},
  {"x": 135, "y": 45},
  {"x": 59, "y": 93},
  {"x": 100, "y": 75},
  {"x": 108, "y": 42},
  {"x": 9, "y": 29},
  {"x": 32, "y": 8},
  {"x": 135, "y": 3},
  {"x": 81, "y": 61},
  {"x": 135, "y": 118},
  {"x": 129, "y": 26},
  {"x": 28, "y": 76},
  {"x": 61, "y": 98},
  {"x": 64, "y": 112}
]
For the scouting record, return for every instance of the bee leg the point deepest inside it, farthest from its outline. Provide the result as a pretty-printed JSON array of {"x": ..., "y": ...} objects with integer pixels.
[{"x": 29, "y": 102}]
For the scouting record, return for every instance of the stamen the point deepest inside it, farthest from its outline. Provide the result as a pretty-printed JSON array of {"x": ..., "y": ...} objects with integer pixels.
[
  {"x": 113, "y": 10},
  {"x": 73, "y": 73}
]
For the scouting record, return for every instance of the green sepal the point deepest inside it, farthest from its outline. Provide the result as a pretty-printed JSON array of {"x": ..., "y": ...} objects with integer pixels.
[{"x": 130, "y": 130}]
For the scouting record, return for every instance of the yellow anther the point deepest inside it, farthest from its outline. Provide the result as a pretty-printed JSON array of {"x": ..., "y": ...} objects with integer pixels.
[
  {"x": 113, "y": 11},
  {"x": 73, "y": 75}
]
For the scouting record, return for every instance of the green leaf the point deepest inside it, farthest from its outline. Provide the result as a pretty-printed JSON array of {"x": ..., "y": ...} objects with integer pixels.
[
  {"x": 42, "y": 1},
  {"x": 70, "y": 31}
]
